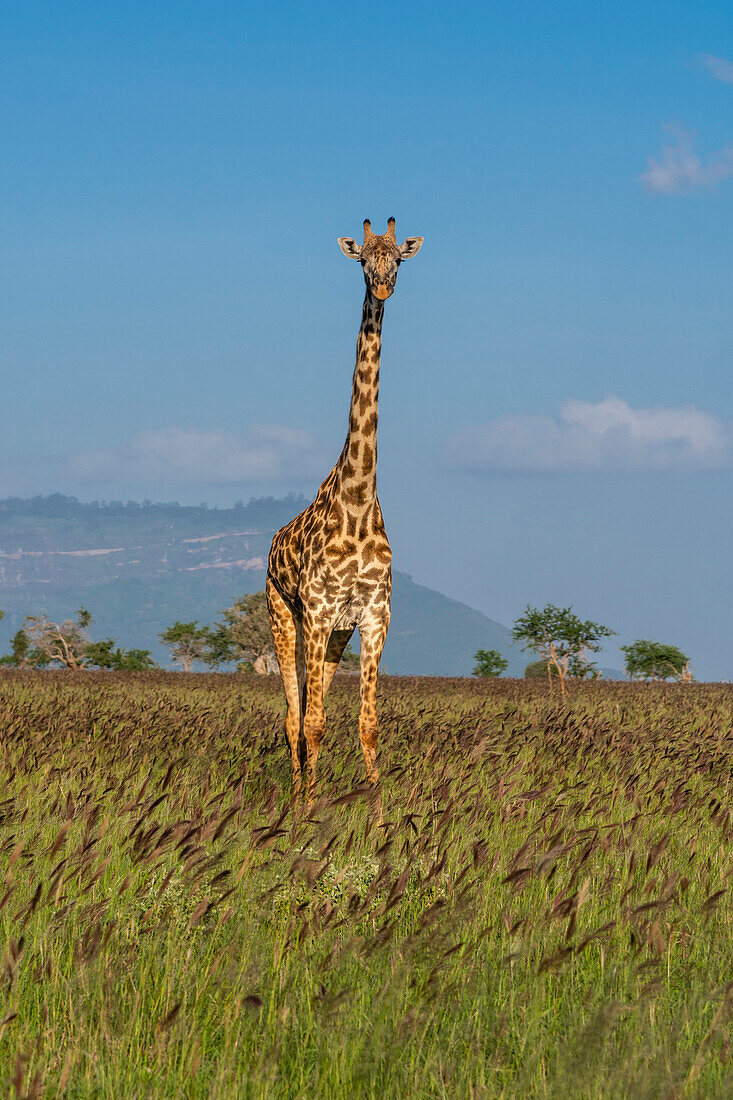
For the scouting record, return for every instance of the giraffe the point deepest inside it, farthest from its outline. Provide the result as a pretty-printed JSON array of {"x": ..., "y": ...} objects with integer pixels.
[{"x": 329, "y": 569}]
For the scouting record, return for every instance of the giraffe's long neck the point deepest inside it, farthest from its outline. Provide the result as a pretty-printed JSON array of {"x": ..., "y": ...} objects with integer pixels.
[{"x": 357, "y": 466}]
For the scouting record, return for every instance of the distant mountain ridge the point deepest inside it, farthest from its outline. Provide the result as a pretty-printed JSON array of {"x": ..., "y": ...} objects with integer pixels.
[{"x": 139, "y": 567}]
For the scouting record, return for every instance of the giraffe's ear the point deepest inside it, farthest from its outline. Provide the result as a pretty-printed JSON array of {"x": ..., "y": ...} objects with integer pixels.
[
  {"x": 411, "y": 247},
  {"x": 350, "y": 248}
]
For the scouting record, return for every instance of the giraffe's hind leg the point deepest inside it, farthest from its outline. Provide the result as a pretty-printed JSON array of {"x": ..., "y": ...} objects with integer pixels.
[
  {"x": 316, "y": 636},
  {"x": 288, "y": 638},
  {"x": 373, "y": 634},
  {"x": 337, "y": 644}
]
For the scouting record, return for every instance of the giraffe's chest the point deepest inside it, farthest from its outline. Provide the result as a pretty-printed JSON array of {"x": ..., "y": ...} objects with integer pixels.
[{"x": 347, "y": 580}]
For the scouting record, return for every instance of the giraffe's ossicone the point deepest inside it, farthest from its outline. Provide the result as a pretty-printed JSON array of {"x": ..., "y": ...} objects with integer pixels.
[{"x": 329, "y": 569}]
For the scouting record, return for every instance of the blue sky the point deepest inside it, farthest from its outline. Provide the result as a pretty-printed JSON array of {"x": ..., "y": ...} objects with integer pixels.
[{"x": 556, "y": 406}]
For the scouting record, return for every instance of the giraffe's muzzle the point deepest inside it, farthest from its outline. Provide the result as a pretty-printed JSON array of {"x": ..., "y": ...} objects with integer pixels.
[{"x": 382, "y": 291}]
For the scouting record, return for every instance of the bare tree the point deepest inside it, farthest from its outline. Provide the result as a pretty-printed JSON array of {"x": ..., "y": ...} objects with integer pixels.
[{"x": 62, "y": 643}]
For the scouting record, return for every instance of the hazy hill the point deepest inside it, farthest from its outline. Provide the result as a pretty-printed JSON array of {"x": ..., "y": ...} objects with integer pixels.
[{"x": 139, "y": 567}]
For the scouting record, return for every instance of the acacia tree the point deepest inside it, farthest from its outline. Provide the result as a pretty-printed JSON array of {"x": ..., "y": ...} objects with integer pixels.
[
  {"x": 62, "y": 643},
  {"x": 186, "y": 643},
  {"x": 489, "y": 663},
  {"x": 537, "y": 670},
  {"x": 244, "y": 636},
  {"x": 647, "y": 660},
  {"x": 104, "y": 655},
  {"x": 561, "y": 639}
]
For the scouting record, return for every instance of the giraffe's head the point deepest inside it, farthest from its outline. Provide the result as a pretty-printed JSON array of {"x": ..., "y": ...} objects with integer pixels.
[{"x": 380, "y": 257}]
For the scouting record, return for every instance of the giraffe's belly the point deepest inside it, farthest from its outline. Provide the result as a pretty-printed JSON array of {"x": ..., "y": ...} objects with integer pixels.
[
  {"x": 340, "y": 580},
  {"x": 348, "y": 619}
]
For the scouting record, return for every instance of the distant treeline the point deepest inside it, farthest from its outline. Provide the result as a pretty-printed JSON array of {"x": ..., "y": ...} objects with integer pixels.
[{"x": 59, "y": 506}]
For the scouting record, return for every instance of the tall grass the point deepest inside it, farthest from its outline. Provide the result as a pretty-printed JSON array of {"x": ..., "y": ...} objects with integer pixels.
[{"x": 545, "y": 911}]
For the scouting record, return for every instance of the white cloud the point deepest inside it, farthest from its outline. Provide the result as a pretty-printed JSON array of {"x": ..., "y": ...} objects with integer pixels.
[
  {"x": 173, "y": 456},
  {"x": 680, "y": 168},
  {"x": 608, "y": 436},
  {"x": 718, "y": 67}
]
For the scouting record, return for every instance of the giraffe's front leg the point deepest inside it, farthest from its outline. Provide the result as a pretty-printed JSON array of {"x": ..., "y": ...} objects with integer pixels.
[
  {"x": 315, "y": 641},
  {"x": 373, "y": 634},
  {"x": 287, "y": 636}
]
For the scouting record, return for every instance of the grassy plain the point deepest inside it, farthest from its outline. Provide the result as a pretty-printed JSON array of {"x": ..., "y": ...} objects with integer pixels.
[{"x": 544, "y": 913}]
